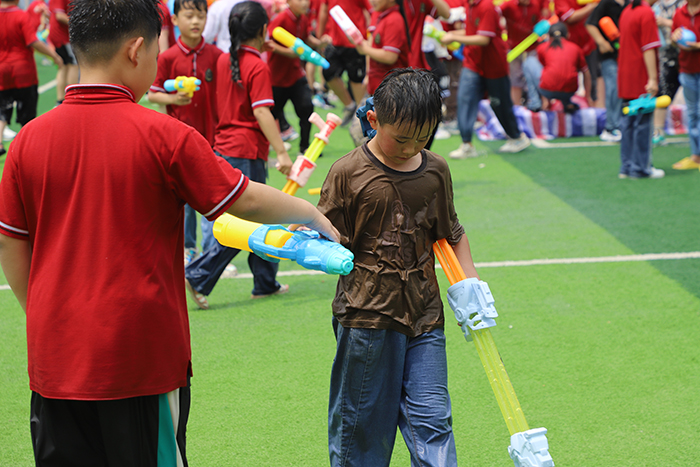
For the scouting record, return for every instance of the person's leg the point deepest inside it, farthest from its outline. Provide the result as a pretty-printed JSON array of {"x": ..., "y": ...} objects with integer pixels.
[
  {"x": 532, "y": 70},
  {"x": 613, "y": 104},
  {"x": 593, "y": 62},
  {"x": 303, "y": 107},
  {"x": 641, "y": 164},
  {"x": 207, "y": 228},
  {"x": 426, "y": 412},
  {"x": 469, "y": 94},
  {"x": 333, "y": 75},
  {"x": 204, "y": 272},
  {"x": 517, "y": 80},
  {"x": 190, "y": 227},
  {"x": 499, "y": 95},
  {"x": 626, "y": 143},
  {"x": 6, "y": 109},
  {"x": 691, "y": 92},
  {"x": 365, "y": 395},
  {"x": 454, "y": 68}
]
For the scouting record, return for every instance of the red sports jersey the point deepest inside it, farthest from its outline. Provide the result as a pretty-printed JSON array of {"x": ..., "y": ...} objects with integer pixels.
[
  {"x": 578, "y": 34},
  {"x": 238, "y": 133},
  {"x": 520, "y": 20},
  {"x": 689, "y": 61},
  {"x": 355, "y": 10},
  {"x": 287, "y": 71},
  {"x": 200, "y": 62},
  {"x": 17, "y": 66},
  {"x": 561, "y": 66},
  {"x": 416, "y": 11},
  {"x": 58, "y": 32},
  {"x": 97, "y": 186},
  {"x": 489, "y": 61},
  {"x": 638, "y": 33},
  {"x": 388, "y": 33}
]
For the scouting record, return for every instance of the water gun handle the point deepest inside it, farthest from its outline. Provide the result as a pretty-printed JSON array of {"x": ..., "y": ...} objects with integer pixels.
[
  {"x": 302, "y": 50},
  {"x": 186, "y": 84},
  {"x": 345, "y": 23},
  {"x": 646, "y": 104}
]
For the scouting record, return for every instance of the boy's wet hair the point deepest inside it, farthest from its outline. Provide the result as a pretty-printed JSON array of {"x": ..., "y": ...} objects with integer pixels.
[
  {"x": 245, "y": 22},
  {"x": 200, "y": 5},
  {"x": 98, "y": 28},
  {"x": 408, "y": 96}
]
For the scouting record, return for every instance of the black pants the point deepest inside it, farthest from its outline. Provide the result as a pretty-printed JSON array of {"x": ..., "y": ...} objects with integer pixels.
[{"x": 300, "y": 95}]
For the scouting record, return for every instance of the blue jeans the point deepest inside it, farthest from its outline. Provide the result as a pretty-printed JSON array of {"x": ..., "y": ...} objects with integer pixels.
[
  {"x": 208, "y": 239},
  {"x": 613, "y": 104},
  {"x": 190, "y": 227},
  {"x": 635, "y": 145},
  {"x": 204, "y": 272},
  {"x": 532, "y": 70},
  {"x": 471, "y": 90},
  {"x": 691, "y": 92},
  {"x": 382, "y": 379}
]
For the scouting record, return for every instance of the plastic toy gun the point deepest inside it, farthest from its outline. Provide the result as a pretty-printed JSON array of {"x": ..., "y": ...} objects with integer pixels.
[
  {"x": 186, "y": 84},
  {"x": 540, "y": 29},
  {"x": 472, "y": 303},
  {"x": 274, "y": 242},
  {"x": 43, "y": 35},
  {"x": 586, "y": 2},
  {"x": 686, "y": 36},
  {"x": 304, "y": 52},
  {"x": 645, "y": 104},
  {"x": 361, "y": 113},
  {"x": 304, "y": 165},
  {"x": 345, "y": 23},
  {"x": 430, "y": 31},
  {"x": 609, "y": 28}
]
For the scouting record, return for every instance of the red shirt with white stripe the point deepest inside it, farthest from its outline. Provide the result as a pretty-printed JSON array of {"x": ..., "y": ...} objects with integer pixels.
[
  {"x": 355, "y": 10},
  {"x": 58, "y": 32},
  {"x": 488, "y": 61},
  {"x": 416, "y": 11},
  {"x": 388, "y": 33},
  {"x": 561, "y": 66},
  {"x": 638, "y": 33},
  {"x": 17, "y": 66},
  {"x": 578, "y": 34},
  {"x": 286, "y": 71},
  {"x": 238, "y": 133},
  {"x": 689, "y": 60},
  {"x": 200, "y": 62},
  {"x": 98, "y": 186}
]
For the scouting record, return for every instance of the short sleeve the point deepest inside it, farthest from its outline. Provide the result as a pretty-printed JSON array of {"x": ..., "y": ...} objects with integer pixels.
[
  {"x": 13, "y": 221},
  {"x": 260, "y": 86},
  {"x": 563, "y": 9},
  {"x": 489, "y": 25},
  {"x": 394, "y": 38},
  {"x": 164, "y": 66},
  {"x": 650, "y": 33}
]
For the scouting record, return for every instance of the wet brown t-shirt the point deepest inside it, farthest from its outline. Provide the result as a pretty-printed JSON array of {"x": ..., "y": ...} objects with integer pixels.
[{"x": 390, "y": 220}]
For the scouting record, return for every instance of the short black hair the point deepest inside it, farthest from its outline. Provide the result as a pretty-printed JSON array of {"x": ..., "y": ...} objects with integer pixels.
[
  {"x": 200, "y": 5},
  {"x": 98, "y": 28},
  {"x": 408, "y": 96}
]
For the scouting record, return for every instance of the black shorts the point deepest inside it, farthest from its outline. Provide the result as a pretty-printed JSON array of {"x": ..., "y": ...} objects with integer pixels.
[
  {"x": 342, "y": 59},
  {"x": 26, "y": 100},
  {"x": 66, "y": 53},
  {"x": 122, "y": 432},
  {"x": 669, "y": 71}
]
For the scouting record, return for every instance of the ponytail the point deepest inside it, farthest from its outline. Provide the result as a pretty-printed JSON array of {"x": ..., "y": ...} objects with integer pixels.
[
  {"x": 244, "y": 23},
  {"x": 405, "y": 22},
  {"x": 557, "y": 32}
]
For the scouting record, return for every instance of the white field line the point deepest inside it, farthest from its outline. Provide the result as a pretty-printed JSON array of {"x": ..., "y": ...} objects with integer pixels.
[
  {"x": 527, "y": 262},
  {"x": 45, "y": 87},
  {"x": 542, "y": 144}
]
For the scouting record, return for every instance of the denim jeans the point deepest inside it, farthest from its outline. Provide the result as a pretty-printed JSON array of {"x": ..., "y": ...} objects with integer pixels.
[
  {"x": 204, "y": 272},
  {"x": 471, "y": 90},
  {"x": 691, "y": 92},
  {"x": 635, "y": 145},
  {"x": 613, "y": 104},
  {"x": 532, "y": 69},
  {"x": 190, "y": 227},
  {"x": 382, "y": 379},
  {"x": 208, "y": 239}
]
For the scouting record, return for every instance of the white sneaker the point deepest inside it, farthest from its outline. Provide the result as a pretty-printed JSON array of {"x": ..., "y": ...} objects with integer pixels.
[
  {"x": 451, "y": 126},
  {"x": 465, "y": 151},
  {"x": 516, "y": 145},
  {"x": 348, "y": 113},
  {"x": 8, "y": 134},
  {"x": 442, "y": 133},
  {"x": 656, "y": 173},
  {"x": 611, "y": 136},
  {"x": 231, "y": 271}
]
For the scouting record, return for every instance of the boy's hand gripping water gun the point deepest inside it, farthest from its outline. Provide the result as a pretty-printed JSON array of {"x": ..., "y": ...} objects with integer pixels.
[
  {"x": 645, "y": 104},
  {"x": 609, "y": 28},
  {"x": 186, "y": 84},
  {"x": 345, "y": 23},
  {"x": 430, "y": 31},
  {"x": 472, "y": 303},
  {"x": 274, "y": 242},
  {"x": 304, "y": 165},
  {"x": 540, "y": 29},
  {"x": 304, "y": 52}
]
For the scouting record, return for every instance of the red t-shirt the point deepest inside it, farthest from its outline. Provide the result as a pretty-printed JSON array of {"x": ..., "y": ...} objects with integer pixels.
[
  {"x": 388, "y": 33},
  {"x": 489, "y": 61},
  {"x": 355, "y": 10},
  {"x": 416, "y": 11},
  {"x": 166, "y": 17},
  {"x": 35, "y": 10},
  {"x": 287, "y": 71},
  {"x": 58, "y": 32},
  {"x": 180, "y": 60},
  {"x": 103, "y": 212},
  {"x": 520, "y": 20},
  {"x": 17, "y": 66},
  {"x": 578, "y": 34},
  {"x": 561, "y": 66},
  {"x": 689, "y": 61},
  {"x": 638, "y": 33},
  {"x": 238, "y": 133}
]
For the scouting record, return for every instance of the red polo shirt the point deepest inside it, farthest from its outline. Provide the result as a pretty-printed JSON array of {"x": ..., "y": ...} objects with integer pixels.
[
  {"x": 238, "y": 133},
  {"x": 103, "y": 212},
  {"x": 416, "y": 11},
  {"x": 520, "y": 20},
  {"x": 58, "y": 32},
  {"x": 355, "y": 10},
  {"x": 388, "y": 33},
  {"x": 561, "y": 66},
  {"x": 200, "y": 62},
  {"x": 35, "y": 10},
  {"x": 689, "y": 61},
  {"x": 17, "y": 66},
  {"x": 638, "y": 33},
  {"x": 287, "y": 71},
  {"x": 578, "y": 34},
  {"x": 489, "y": 61}
]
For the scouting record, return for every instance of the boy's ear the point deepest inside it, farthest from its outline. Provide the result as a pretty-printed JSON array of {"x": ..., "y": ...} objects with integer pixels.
[
  {"x": 133, "y": 47},
  {"x": 372, "y": 119}
]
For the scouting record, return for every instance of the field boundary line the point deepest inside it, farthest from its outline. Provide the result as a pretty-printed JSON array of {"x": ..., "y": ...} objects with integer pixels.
[{"x": 542, "y": 144}]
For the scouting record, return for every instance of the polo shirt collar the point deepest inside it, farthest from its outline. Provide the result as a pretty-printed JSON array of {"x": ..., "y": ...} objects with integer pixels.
[
  {"x": 686, "y": 12},
  {"x": 82, "y": 91},
  {"x": 187, "y": 50},
  {"x": 253, "y": 50},
  {"x": 387, "y": 11},
  {"x": 291, "y": 14}
]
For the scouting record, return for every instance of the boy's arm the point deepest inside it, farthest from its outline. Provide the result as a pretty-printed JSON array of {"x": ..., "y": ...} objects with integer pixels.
[
  {"x": 269, "y": 128},
  {"x": 378, "y": 55},
  {"x": 282, "y": 50},
  {"x": 464, "y": 255},
  {"x": 442, "y": 8},
  {"x": 15, "y": 258},
  {"x": 45, "y": 50},
  {"x": 460, "y": 35},
  {"x": 178, "y": 98},
  {"x": 652, "y": 85}
]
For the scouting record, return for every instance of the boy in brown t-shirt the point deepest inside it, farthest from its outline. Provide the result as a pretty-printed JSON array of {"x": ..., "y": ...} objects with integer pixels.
[{"x": 391, "y": 200}]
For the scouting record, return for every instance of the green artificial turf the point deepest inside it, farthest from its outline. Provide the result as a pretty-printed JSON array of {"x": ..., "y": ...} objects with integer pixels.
[{"x": 603, "y": 355}]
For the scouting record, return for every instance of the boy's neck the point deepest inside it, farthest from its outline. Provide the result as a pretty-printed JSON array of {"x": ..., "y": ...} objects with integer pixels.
[
  {"x": 191, "y": 42},
  {"x": 253, "y": 43}
]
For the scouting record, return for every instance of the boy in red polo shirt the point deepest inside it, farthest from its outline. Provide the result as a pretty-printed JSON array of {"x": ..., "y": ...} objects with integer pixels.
[
  {"x": 58, "y": 36},
  {"x": 574, "y": 15},
  {"x": 485, "y": 69},
  {"x": 18, "y": 77},
  {"x": 107, "y": 329},
  {"x": 190, "y": 56},
  {"x": 416, "y": 12},
  {"x": 637, "y": 75}
]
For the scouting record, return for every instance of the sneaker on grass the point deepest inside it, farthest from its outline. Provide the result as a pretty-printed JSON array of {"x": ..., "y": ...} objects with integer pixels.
[
  {"x": 613, "y": 136},
  {"x": 442, "y": 133},
  {"x": 516, "y": 145},
  {"x": 8, "y": 134},
  {"x": 466, "y": 151},
  {"x": 290, "y": 134},
  {"x": 348, "y": 113}
]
